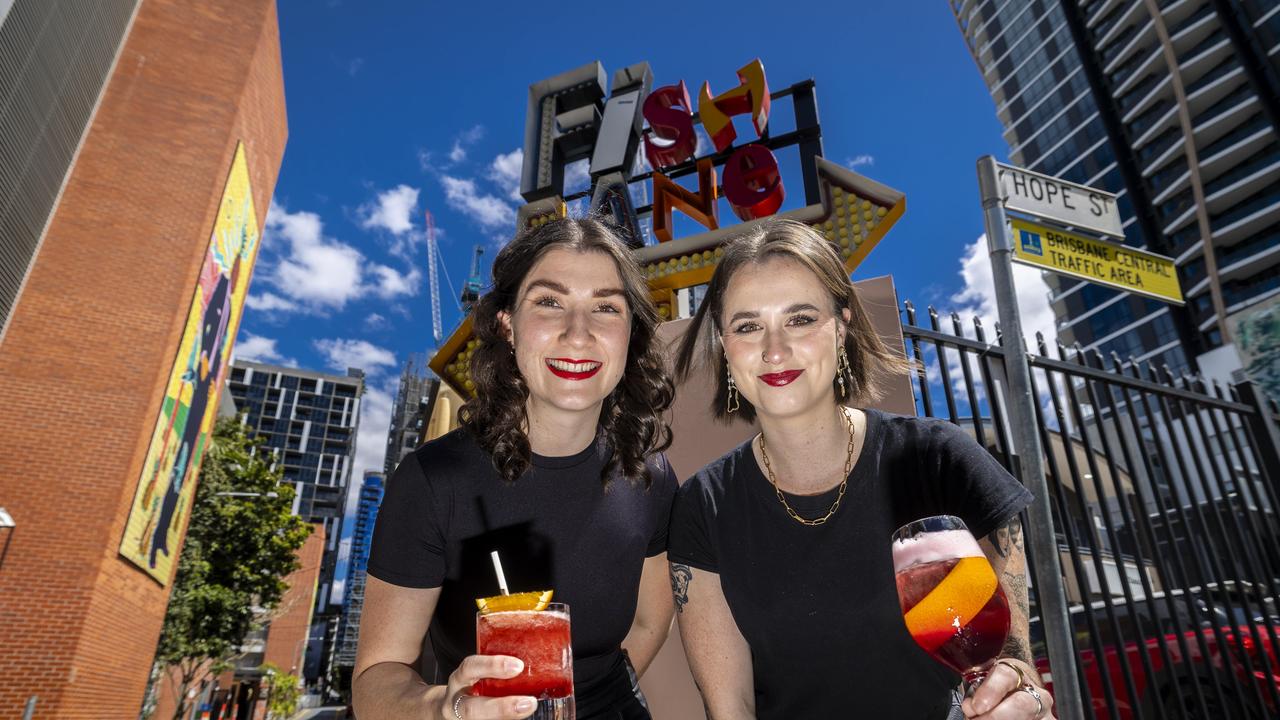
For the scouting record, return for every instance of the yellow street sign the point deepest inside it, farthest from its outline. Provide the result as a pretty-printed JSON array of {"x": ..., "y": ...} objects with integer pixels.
[{"x": 1087, "y": 258}]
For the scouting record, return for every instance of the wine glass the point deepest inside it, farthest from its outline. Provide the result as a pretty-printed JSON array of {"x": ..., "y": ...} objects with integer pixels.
[{"x": 951, "y": 599}]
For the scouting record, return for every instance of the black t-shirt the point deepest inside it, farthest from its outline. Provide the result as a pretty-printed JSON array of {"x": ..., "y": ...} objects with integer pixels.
[
  {"x": 556, "y": 527},
  {"x": 818, "y": 605}
]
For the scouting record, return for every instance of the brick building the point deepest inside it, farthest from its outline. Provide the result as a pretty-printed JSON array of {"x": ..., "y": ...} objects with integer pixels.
[{"x": 130, "y": 120}]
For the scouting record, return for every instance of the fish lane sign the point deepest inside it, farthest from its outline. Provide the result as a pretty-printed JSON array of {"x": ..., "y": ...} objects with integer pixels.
[
  {"x": 1091, "y": 259},
  {"x": 1059, "y": 201}
]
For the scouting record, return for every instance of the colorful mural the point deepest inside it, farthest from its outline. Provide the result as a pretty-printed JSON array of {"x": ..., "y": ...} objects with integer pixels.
[
  {"x": 1257, "y": 335},
  {"x": 152, "y": 535}
]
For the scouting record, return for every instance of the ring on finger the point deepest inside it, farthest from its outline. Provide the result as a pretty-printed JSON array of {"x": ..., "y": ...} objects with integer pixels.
[
  {"x": 457, "y": 706},
  {"x": 1031, "y": 690},
  {"x": 1022, "y": 676}
]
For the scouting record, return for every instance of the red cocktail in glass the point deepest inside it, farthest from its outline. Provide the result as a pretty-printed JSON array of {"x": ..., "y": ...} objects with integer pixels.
[
  {"x": 541, "y": 639},
  {"x": 951, "y": 600}
]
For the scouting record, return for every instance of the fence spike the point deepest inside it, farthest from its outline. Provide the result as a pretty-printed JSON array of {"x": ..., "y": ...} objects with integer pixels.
[
  {"x": 1079, "y": 352},
  {"x": 1044, "y": 350},
  {"x": 977, "y": 329},
  {"x": 933, "y": 319},
  {"x": 911, "y": 311},
  {"x": 955, "y": 324}
]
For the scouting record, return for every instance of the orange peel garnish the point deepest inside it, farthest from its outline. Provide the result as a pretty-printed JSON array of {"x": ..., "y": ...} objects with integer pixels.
[
  {"x": 516, "y": 601},
  {"x": 953, "y": 602}
]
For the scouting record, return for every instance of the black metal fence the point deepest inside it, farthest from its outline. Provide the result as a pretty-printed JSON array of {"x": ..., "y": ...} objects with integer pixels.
[{"x": 1164, "y": 496}]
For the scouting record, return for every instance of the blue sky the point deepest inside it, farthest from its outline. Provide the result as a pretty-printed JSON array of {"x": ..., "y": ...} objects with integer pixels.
[{"x": 397, "y": 107}]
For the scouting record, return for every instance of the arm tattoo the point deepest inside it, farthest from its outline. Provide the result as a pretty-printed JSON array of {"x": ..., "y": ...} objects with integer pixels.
[
  {"x": 1007, "y": 537},
  {"x": 681, "y": 576}
]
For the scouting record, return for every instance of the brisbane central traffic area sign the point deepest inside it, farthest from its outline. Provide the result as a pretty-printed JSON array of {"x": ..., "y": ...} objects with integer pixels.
[{"x": 1095, "y": 260}]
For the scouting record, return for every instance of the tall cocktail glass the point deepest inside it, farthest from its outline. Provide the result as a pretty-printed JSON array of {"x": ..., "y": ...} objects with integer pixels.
[
  {"x": 951, "y": 599},
  {"x": 541, "y": 639}
]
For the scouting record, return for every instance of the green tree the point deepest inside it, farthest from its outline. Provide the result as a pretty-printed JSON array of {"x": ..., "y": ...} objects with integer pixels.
[
  {"x": 241, "y": 543},
  {"x": 282, "y": 691}
]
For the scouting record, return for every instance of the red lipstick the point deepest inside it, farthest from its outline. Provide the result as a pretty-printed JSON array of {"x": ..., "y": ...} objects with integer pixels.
[
  {"x": 779, "y": 379},
  {"x": 561, "y": 372}
]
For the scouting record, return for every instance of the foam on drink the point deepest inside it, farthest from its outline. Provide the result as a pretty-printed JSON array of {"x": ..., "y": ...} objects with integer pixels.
[{"x": 932, "y": 547}]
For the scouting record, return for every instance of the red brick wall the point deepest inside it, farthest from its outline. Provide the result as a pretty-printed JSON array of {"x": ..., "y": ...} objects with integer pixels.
[
  {"x": 287, "y": 636},
  {"x": 94, "y": 334}
]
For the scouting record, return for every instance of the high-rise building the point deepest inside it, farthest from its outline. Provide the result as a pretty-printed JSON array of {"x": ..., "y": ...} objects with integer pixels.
[
  {"x": 371, "y": 491},
  {"x": 1174, "y": 107},
  {"x": 416, "y": 394},
  {"x": 139, "y": 148},
  {"x": 309, "y": 420}
]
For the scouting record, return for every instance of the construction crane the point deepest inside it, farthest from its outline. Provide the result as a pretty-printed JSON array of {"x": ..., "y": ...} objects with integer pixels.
[
  {"x": 432, "y": 253},
  {"x": 472, "y": 287}
]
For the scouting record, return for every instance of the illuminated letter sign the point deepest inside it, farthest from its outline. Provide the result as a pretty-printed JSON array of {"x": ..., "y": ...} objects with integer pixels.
[
  {"x": 751, "y": 96},
  {"x": 670, "y": 115},
  {"x": 752, "y": 184},
  {"x": 700, "y": 206},
  {"x": 560, "y": 127}
]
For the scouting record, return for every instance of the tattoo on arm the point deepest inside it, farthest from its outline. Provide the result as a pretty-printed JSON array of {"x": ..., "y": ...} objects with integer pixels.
[
  {"x": 681, "y": 576},
  {"x": 1007, "y": 537},
  {"x": 1008, "y": 542}
]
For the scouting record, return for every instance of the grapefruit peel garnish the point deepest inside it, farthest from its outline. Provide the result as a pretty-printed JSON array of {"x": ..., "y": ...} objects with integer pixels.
[{"x": 952, "y": 603}]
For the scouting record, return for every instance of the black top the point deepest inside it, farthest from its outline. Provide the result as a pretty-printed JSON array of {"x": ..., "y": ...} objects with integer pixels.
[
  {"x": 556, "y": 527},
  {"x": 818, "y": 605}
]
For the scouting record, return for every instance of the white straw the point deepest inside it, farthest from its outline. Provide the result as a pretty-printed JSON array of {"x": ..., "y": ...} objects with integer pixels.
[{"x": 497, "y": 568}]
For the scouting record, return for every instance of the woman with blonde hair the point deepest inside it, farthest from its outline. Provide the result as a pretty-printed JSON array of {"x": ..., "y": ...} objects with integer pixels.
[{"x": 780, "y": 551}]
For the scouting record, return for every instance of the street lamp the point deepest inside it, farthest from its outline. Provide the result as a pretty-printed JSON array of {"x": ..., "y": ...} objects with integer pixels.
[{"x": 6, "y": 523}]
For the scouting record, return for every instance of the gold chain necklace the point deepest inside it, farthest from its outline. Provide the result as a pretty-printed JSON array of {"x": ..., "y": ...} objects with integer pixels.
[{"x": 844, "y": 482}]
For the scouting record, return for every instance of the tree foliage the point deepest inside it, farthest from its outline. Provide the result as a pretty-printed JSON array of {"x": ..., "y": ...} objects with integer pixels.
[
  {"x": 238, "y": 550},
  {"x": 282, "y": 691}
]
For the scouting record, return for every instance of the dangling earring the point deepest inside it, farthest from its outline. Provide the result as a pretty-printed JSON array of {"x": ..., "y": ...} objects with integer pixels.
[
  {"x": 842, "y": 369},
  {"x": 731, "y": 400}
]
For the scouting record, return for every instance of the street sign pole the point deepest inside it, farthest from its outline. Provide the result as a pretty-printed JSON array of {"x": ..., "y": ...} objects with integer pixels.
[{"x": 1022, "y": 410}]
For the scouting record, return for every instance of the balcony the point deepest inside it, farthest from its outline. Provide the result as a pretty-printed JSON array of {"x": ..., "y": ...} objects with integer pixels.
[
  {"x": 1157, "y": 117},
  {"x": 1166, "y": 183},
  {"x": 1153, "y": 154},
  {"x": 1243, "y": 179},
  {"x": 1216, "y": 121},
  {"x": 1204, "y": 79},
  {"x": 1178, "y": 25},
  {"x": 1128, "y": 100},
  {"x": 1245, "y": 136},
  {"x": 1108, "y": 29},
  {"x": 1226, "y": 100},
  {"x": 1246, "y": 216},
  {"x": 1240, "y": 260}
]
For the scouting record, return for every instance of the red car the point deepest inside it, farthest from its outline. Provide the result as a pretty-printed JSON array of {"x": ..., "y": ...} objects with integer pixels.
[{"x": 1193, "y": 668}]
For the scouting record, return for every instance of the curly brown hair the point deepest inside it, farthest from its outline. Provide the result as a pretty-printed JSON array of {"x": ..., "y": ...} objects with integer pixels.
[
  {"x": 869, "y": 359},
  {"x": 631, "y": 419}
]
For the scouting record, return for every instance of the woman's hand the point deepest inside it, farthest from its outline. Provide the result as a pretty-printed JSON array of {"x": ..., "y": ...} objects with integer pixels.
[
  {"x": 1012, "y": 691},
  {"x": 459, "y": 704}
]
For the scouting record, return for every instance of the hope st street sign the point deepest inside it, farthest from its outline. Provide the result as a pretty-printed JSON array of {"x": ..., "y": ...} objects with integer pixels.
[
  {"x": 1105, "y": 263},
  {"x": 1060, "y": 201}
]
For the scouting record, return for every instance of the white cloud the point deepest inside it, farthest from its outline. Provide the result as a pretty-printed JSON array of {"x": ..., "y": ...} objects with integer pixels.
[
  {"x": 392, "y": 210},
  {"x": 375, "y": 322},
  {"x": 390, "y": 283},
  {"x": 486, "y": 210},
  {"x": 340, "y": 354},
  {"x": 504, "y": 171},
  {"x": 256, "y": 348},
  {"x": 466, "y": 138},
  {"x": 317, "y": 273},
  {"x": 354, "y": 66},
  {"x": 577, "y": 176},
  {"x": 859, "y": 160},
  {"x": 269, "y": 302},
  {"x": 978, "y": 296}
]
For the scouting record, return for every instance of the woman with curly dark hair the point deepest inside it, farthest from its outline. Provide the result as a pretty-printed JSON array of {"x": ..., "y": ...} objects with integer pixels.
[{"x": 558, "y": 466}]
